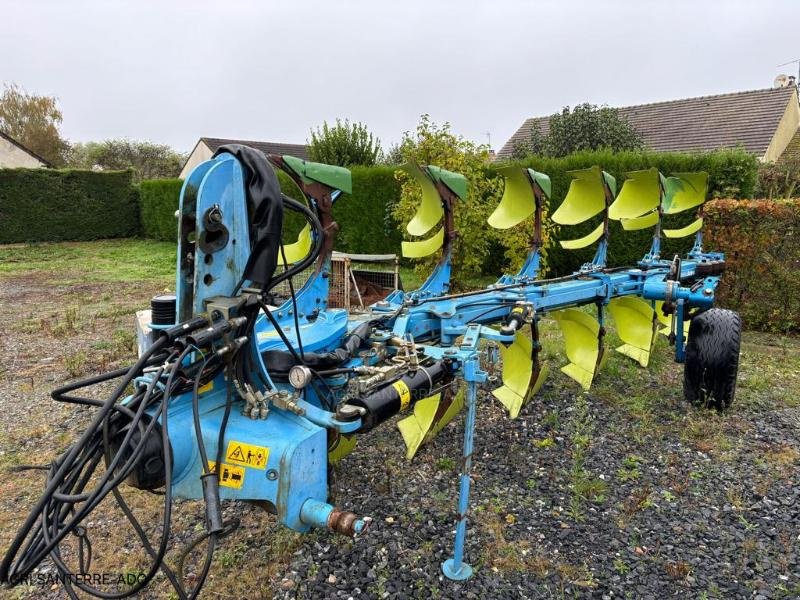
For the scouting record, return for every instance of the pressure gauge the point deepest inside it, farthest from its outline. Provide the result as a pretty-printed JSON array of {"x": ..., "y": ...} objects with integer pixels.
[{"x": 299, "y": 376}]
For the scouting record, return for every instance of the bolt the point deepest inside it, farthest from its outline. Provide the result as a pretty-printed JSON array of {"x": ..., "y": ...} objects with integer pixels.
[{"x": 272, "y": 474}]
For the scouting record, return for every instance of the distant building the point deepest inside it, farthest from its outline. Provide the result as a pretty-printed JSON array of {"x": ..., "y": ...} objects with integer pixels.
[
  {"x": 14, "y": 155},
  {"x": 205, "y": 147},
  {"x": 764, "y": 122}
]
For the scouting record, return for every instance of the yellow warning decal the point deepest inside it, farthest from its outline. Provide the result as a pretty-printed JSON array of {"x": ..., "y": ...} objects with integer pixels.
[
  {"x": 247, "y": 455},
  {"x": 206, "y": 388},
  {"x": 229, "y": 475},
  {"x": 404, "y": 392}
]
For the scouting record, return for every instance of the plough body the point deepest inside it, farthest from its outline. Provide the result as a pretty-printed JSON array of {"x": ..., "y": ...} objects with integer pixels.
[{"x": 280, "y": 393}]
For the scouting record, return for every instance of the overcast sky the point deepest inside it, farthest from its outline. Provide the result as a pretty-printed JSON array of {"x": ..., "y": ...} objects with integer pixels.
[{"x": 174, "y": 70}]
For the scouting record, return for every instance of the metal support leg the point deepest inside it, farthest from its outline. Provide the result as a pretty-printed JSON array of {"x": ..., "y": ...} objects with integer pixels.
[
  {"x": 455, "y": 568},
  {"x": 680, "y": 340}
]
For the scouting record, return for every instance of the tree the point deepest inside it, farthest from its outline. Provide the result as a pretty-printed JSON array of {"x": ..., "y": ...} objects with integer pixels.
[
  {"x": 585, "y": 127},
  {"x": 33, "y": 121},
  {"x": 344, "y": 144},
  {"x": 433, "y": 144},
  {"x": 393, "y": 156},
  {"x": 779, "y": 180},
  {"x": 148, "y": 160}
]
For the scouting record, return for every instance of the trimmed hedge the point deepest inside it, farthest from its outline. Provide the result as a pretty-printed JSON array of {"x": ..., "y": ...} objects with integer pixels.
[
  {"x": 366, "y": 224},
  {"x": 48, "y": 205},
  {"x": 365, "y": 216},
  {"x": 762, "y": 279},
  {"x": 732, "y": 174},
  {"x": 158, "y": 201},
  {"x": 160, "y": 198}
]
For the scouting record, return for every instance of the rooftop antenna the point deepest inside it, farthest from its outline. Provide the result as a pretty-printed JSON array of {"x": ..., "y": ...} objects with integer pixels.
[{"x": 791, "y": 62}]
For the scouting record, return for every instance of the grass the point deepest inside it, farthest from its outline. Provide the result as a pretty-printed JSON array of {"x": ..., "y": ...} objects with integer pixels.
[
  {"x": 103, "y": 261},
  {"x": 127, "y": 260},
  {"x": 411, "y": 279},
  {"x": 583, "y": 485}
]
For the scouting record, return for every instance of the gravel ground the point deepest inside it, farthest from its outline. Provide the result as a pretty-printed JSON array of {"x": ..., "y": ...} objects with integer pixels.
[{"x": 621, "y": 492}]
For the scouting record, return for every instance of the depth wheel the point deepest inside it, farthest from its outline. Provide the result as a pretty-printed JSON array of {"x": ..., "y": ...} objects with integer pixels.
[{"x": 712, "y": 358}]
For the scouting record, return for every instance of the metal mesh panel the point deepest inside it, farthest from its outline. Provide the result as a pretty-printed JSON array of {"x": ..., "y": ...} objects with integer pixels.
[
  {"x": 337, "y": 284},
  {"x": 371, "y": 281},
  {"x": 353, "y": 284}
]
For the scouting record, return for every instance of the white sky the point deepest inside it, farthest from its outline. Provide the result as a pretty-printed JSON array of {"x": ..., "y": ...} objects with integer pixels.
[{"x": 171, "y": 71}]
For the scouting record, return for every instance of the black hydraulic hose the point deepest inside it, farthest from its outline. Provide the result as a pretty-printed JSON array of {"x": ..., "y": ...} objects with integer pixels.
[
  {"x": 316, "y": 226},
  {"x": 57, "y": 525},
  {"x": 333, "y": 372},
  {"x": 489, "y": 311},
  {"x": 201, "y": 447},
  {"x": 212, "y": 536},
  {"x": 282, "y": 335},
  {"x": 294, "y": 306},
  {"x": 159, "y": 556},
  {"x": 60, "y": 394},
  {"x": 6, "y": 574}
]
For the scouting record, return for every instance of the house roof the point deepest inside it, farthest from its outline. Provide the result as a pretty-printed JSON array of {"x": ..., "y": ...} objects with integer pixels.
[
  {"x": 748, "y": 118},
  {"x": 7, "y": 137},
  {"x": 792, "y": 151},
  {"x": 298, "y": 150}
]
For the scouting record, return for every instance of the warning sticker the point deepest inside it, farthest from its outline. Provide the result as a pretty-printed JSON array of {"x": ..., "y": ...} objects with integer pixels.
[
  {"x": 247, "y": 455},
  {"x": 404, "y": 392},
  {"x": 206, "y": 388},
  {"x": 229, "y": 475}
]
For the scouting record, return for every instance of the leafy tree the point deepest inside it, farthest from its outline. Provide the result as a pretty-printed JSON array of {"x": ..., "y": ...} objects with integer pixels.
[
  {"x": 438, "y": 145},
  {"x": 344, "y": 144},
  {"x": 779, "y": 180},
  {"x": 148, "y": 160},
  {"x": 393, "y": 156},
  {"x": 33, "y": 121},
  {"x": 585, "y": 127}
]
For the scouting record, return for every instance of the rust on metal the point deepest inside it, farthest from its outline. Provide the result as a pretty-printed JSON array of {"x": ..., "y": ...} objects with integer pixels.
[{"x": 342, "y": 521}]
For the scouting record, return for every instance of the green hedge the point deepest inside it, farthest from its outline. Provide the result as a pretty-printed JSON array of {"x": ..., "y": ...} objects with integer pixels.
[
  {"x": 762, "y": 279},
  {"x": 364, "y": 217},
  {"x": 158, "y": 201},
  {"x": 366, "y": 225},
  {"x": 732, "y": 174},
  {"x": 48, "y": 205}
]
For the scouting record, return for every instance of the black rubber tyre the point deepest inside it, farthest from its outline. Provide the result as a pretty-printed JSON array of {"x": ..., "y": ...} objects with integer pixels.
[{"x": 712, "y": 358}]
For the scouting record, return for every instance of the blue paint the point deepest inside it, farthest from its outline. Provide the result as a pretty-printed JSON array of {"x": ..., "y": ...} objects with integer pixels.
[
  {"x": 455, "y": 568},
  {"x": 296, "y": 468},
  {"x": 680, "y": 349},
  {"x": 437, "y": 284},
  {"x": 321, "y": 334},
  {"x": 216, "y": 183},
  {"x": 316, "y": 514},
  {"x": 599, "y": 260},
  {"x": 441, "y": 320}
]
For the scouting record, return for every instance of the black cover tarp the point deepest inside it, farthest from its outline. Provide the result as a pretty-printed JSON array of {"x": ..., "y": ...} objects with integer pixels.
[{"x": 264, "y": 209}]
